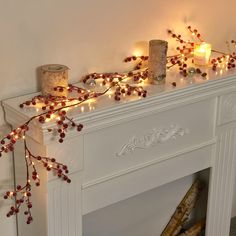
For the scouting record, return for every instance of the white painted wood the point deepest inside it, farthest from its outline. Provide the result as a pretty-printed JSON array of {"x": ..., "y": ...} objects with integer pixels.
[
  {"x": 227, "y": 110},
  {"x": 204, "y": 136},
  {"x": 222, "y": 184},
  {"x": 199, "y": 130},
  {"x": 39, "y": 194},
  {"x": 133, "y": 182},
  {"x": 65, "y": 207},
  {"x": 6, "y": 182}
]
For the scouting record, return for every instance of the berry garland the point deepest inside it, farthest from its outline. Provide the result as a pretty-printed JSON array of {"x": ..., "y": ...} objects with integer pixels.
[
  {"x": 56, "y": 107},
  {"x": 184, "y": 56},
  {"x": 52, "y": 107}
]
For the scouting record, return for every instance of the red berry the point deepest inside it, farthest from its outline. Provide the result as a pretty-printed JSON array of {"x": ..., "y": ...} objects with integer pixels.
[
  {"x": 65, "y": 126},
  {"x": 41, "y": 119},
  {"x": 64, "y": 167},
  {"x": 65, "y": 178},
  {"x": 18, "y": 187},
  {"x": 59, "y": 122}
]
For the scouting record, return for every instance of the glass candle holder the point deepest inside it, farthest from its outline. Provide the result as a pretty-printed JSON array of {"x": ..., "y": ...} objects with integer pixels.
[{"x": 202, "y": 53}]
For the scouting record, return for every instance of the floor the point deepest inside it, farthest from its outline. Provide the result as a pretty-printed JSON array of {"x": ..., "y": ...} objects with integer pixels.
[{"x": 233, "y": 227}]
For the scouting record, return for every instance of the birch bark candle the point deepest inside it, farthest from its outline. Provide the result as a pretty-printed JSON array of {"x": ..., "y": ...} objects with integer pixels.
[
  {"x": 157, "y": 61},
  {"x": 52, "y": 76}
]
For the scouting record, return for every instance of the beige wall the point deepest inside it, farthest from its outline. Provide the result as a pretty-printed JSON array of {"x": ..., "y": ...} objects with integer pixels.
[{"x": 93, "y": 35}]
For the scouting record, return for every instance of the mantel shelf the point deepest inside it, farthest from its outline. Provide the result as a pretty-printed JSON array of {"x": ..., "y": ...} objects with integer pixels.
[{"x": 106, "y": 110}]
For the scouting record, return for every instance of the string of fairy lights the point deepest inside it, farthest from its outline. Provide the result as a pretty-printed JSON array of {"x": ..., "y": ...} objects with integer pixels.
[{"x": 116, "y": 85}]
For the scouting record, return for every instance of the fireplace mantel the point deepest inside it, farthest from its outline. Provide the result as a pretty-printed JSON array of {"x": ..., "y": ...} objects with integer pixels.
[{"x": 130, "y": 147}]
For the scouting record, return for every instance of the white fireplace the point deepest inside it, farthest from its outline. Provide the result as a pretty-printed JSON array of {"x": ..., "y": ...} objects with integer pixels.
[{"x": 135, "y": 146}]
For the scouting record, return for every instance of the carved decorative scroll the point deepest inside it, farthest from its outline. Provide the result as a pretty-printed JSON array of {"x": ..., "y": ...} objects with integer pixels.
[{"x": 152, "y": 138}]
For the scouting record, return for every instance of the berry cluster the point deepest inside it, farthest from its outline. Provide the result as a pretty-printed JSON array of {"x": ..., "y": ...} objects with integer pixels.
[
  {"x": 129, "y": 90},
  {"x": 111, "y": 79},
  {"x": 63, "y": 123},
  {"x": 195, "y": 32},
  {"x": 55, "y": 108},
  {"x": 7, "y": 142},
  {"x": 141, "y": 60},
  {"x": 228, "y": 60},
  {"x": 184, "y": 55},
  {"x": 21, "y": 196}
]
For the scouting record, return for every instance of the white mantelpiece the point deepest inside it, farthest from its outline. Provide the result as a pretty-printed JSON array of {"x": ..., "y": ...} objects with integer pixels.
[{"x": 134, "y": 146}]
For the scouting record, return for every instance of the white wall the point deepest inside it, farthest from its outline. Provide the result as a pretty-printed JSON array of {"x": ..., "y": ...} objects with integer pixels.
[{"x": 93, "y": 35}]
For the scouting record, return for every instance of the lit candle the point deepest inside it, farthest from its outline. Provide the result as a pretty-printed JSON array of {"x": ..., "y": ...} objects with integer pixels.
[{"x": 202, "y": 53}]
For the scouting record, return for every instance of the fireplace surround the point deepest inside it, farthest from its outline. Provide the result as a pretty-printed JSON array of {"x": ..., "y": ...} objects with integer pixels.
[{"x": 133, "y": 147}]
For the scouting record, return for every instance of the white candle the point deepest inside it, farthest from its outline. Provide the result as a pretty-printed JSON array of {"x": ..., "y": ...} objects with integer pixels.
[{"x": 202, "y": 53}]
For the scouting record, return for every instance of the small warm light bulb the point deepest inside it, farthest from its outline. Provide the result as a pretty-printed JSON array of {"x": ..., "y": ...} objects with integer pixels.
[
  {"x": 82, "y": 109},
  {"x": 138, "y": 53}
]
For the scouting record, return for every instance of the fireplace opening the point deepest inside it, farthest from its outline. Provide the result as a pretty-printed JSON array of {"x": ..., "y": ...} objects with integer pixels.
[{"x": 148, "y": 213}]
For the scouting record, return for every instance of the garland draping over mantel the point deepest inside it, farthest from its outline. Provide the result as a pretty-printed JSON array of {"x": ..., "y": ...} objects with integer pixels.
[{"x": 115, "y": 84}]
